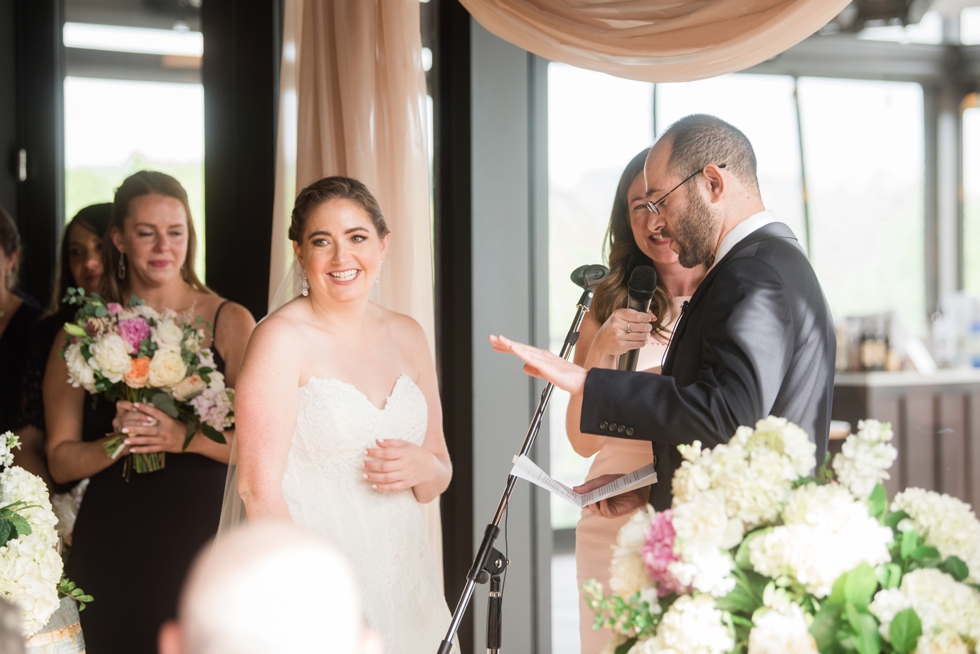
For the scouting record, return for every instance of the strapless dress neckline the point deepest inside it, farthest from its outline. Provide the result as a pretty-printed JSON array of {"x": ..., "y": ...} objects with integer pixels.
[{"x": 313, "y": 380}]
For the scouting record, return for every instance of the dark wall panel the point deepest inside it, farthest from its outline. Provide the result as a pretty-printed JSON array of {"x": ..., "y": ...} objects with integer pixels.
[
  {"x": 240, "y": 71},
  {"x": 8, "y": 108},
  {"x": 40, "y": 131}
]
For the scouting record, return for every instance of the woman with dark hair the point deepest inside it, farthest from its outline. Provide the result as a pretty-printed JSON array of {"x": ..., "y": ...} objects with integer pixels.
[
  {"x": 135, "y": 539},
  {"x": 18, "y": 313},
  {"x": 608, "y": 331},
  {"x": 81, "y": 267},
  {"x": 339, "y": 420}
]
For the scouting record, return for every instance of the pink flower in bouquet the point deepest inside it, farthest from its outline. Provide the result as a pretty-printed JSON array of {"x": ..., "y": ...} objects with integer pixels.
[
  {"x": 114, "y": 308},
  {"x": 658, "y": 554},
  {"x": 96, "y": 327},
  {"x": 133, "y": 331},
  {"x": 213, "y": 408}
]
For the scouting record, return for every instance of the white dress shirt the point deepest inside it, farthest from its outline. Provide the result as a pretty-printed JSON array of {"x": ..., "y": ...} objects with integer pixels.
[{"x": 741, "y": 230}]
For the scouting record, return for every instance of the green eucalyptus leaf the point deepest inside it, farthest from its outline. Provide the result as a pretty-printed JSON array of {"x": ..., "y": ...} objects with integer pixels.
[
  {"x": 101, "y": 311},
  {"x": 878, "y": 502},
  {"x": 924, "y": 553},
  {"x": 904, "y": 631},
  {"x": 165, "y": 403},
  {"x": 889, "y": 575},
  {"x": 909, "y": 540},
  {"x": 955, "y": 568},
  {"x": 825, "y": 625},
  {"x": 860, "y": 585}
]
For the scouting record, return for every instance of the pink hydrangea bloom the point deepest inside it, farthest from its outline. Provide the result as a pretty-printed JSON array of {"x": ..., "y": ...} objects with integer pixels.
[
  {"x": 133, "y": 331},
  {"x": 114, "y": 308},
  {"x": 658, "y": 554}
]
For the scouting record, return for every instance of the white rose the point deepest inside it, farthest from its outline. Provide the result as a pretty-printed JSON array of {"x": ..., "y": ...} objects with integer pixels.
[
  {"x": 110, "y": 356},
  {"x": 80, "y": 373},
  {"x": 189, "y": 387},
  {"x": 167, "y": 368},
  {"x": 168, "y": 334}
]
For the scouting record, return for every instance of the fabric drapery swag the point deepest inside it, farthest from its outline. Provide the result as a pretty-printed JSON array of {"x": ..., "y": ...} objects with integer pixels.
[{"x": 655, "y": 40}]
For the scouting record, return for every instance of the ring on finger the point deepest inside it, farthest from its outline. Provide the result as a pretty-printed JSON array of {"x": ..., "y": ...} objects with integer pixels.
[{"x": 628, "y": 325}]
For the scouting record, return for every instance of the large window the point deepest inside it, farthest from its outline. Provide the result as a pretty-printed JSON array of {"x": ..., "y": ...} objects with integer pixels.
[
  {"x": 115, "y": 127},
  {"x": 971, "y": 201},
  {"x": 863, "y": 147}
]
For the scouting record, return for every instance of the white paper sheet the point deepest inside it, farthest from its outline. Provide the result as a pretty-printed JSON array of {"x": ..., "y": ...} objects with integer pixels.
[{"x": 525, "y": 468}]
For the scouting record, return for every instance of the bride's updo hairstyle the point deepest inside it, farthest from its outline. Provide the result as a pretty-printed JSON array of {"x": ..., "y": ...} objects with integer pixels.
[
  {"x": 145, "y": 182},
  {"x": 334, "y": 188}
]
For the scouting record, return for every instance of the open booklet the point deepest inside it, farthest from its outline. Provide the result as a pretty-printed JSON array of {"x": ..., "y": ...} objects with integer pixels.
[{"x": 525, "y": 468}]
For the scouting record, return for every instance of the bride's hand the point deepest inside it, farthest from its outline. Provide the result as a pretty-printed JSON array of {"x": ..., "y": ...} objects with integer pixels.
[
  {"x": 148, "y": 429},
  {"x": 397, "y": 465}
]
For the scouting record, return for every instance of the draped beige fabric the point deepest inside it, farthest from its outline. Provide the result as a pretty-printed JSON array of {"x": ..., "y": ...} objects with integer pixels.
[
  {"x": 655, "y": 40},
  {"x": 353, "y": 103}
]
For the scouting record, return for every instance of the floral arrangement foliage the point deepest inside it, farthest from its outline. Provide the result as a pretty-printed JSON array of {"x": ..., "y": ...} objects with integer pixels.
[
  {"x": 142, "y": 355},
  {"x": 30, "y": 566},
  {"x": 757, "y": 556}
]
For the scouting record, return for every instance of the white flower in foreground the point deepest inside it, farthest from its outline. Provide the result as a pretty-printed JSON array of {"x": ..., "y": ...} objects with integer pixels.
[
  {"x": 865, "y": 457},
  {"x": 781, "y": 632},
  {"x": 825, "y": 534},
  {"x": 756, "y": 470},
  {"x": 30, "y": 570},
  {"x": 943, "y": 642},
  {"x": 946, "y": 523},
  {"x": 692, "y": 625},
  {"x": 19, "y": 485},
  {"x": 942, "y": 604},
  {"x": 168, "y": 334},
  {"x": 8, "y": 443},
  {"x": 80, "y": 373},
  {"x": 627, "y": 572},
  {"x": 167, "y": 368},
  {"x": 703, "y": 534}
]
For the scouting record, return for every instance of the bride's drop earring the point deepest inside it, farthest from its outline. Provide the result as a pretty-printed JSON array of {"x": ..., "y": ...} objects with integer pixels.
[
  {"x": 306, "y": 285},
  {"x": 122, "y": 265},
  {"x": 377, "y": 282}
]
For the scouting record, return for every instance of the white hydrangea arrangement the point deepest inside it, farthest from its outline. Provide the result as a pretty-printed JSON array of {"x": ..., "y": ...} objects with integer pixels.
[
  {"x": 30, "y": 566},
  {"x": 756, "y": 555}
]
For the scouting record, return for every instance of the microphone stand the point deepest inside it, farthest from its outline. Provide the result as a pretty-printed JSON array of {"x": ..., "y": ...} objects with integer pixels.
[{"x": 489, "y": 563}]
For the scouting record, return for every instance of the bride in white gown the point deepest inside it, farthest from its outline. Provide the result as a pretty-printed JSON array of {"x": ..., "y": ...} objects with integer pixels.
[{"x": 338, "y": 419}]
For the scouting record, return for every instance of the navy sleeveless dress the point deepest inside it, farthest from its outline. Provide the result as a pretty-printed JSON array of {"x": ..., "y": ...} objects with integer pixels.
[{"x": 135, "y": 540}]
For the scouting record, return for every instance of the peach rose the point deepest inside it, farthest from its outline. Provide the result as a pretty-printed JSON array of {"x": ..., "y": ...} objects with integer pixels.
[
  {"x": 139, "y": 373},
  {"x": 189, "y": 387}
]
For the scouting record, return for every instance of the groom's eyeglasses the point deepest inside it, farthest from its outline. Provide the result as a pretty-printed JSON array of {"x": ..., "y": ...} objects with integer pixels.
[{"x": 652, "y": 206}]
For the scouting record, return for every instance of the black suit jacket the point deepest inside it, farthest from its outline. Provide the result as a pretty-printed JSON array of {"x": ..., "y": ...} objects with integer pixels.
[{"x": 756, "y": 339}]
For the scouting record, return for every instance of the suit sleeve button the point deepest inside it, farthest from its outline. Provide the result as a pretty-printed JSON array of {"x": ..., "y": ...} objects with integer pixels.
[
  {"x": 629, "y": 431},
  {"x": 612, "y": 426},
  {"x": 603, "y": 424},
  {"x": 622, "y": 429}
]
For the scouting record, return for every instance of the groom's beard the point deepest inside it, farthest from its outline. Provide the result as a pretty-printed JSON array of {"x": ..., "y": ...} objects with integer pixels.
[{"x": 693, "y": 234}]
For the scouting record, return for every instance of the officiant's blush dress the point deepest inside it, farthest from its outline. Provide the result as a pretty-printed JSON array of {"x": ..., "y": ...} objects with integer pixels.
[
  {"x": 135, "y": 540},
  {"x": 595, "y": 536},
  {"x": 382, "y": 534}
]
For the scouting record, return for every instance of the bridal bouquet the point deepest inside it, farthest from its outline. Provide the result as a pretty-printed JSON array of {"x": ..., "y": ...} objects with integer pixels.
[
  {"x": 757, "y": 556},
  {"x": 30, "y": 567},
  {"x": 141, "y": 355}
]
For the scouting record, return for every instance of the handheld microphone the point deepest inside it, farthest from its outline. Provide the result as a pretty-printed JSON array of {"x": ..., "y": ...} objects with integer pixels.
[
  {"x": 589, "y": 276},
  {"x": 643, "y": 282}
]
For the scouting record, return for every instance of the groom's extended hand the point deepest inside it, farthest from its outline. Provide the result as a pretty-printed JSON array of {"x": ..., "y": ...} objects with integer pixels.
[
  {"x": 617, "y": 505},
  {"x": 542, "y": 363}
]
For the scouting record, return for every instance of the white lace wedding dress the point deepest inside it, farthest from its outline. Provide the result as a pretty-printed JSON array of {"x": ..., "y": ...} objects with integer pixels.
[{"x": 381, "y": 533}]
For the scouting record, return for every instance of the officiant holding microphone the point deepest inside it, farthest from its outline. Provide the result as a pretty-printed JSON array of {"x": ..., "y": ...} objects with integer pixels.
[{"x": 755, "y": 339}]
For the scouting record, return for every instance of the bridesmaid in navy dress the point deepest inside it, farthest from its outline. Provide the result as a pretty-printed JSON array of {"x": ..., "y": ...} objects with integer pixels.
[{"x": 135, "y": 539}]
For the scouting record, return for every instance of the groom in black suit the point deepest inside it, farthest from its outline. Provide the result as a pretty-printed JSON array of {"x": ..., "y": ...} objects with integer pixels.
[{"x": 756, "y": 339}]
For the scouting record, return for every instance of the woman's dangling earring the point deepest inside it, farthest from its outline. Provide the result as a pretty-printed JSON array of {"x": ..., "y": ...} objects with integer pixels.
[
  {"x": 306, "y": 285},
  {"x": 377, "y": 282},
  {"x": 122, "y": 266}
]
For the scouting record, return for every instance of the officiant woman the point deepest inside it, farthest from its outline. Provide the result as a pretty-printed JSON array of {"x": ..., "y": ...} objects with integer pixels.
[
  {"x": 634, "y": 238},
  {"x": 136, "y": 535}
]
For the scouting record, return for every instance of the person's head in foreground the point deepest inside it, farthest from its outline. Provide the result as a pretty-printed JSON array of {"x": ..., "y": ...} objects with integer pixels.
[
  {"x": 701, "y": 178},
  {"x": 269, "y": 588}
]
